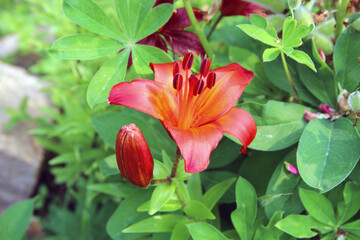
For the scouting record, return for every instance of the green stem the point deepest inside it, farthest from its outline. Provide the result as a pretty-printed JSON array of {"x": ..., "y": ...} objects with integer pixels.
[
  {"x": 214, "y": 26},
  {"x": 197, "y": 29},
  {"x": 288, "y": 75}
]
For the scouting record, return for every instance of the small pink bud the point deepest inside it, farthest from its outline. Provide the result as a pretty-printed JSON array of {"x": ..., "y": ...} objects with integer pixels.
[
  {"x": 133, "y": 156},
  {"x": 311, "y": 116},
  {"x": 324, "y": 108},
  {"x": 291, "y": 168},
  {"x": 322, "y": 55}
]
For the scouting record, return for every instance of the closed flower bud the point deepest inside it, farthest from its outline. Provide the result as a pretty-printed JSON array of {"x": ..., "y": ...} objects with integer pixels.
[
  {"x": 303, "y": 16},
  {"x": 354, "y": 101},
  {"x": 343, "y": 100},
  {"x": 291, "y": 168},
  {"x": 133, "y": 156}
]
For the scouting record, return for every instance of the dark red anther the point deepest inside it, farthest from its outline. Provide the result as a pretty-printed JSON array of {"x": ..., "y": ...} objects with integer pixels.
[
  {"x": 177, "y": 82},
  {"x": 176, "y": 68},
  {"x": 205, "y": 67},
  {"x": 199, "y": 86},
  {"x": 211, "y": 79},
  {"x": 193, "y": 78},
  {"x": 188, "y": 60}
]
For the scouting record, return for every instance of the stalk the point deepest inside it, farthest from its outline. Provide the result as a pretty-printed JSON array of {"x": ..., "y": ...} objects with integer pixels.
[{"x": 289, "y": 76}]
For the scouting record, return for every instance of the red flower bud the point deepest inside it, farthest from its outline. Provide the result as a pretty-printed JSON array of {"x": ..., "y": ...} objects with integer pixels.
[{"x": 133, "y": 156}]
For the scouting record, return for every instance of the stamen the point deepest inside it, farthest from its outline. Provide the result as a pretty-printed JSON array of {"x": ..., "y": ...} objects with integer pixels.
[
  {"x": 188, "y": 60},
  {"x": 176, "y": 68},
  {"x": 192, "y": 78},
  {"x": 177, "y": 82},
  {"x": 205, "y": 67},
  {"x": 199, "y": 86},
  {"x": 211, "y": 79}
]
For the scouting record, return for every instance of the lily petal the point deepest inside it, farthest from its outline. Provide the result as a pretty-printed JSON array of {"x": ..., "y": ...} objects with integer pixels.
[
  {"x": 217, "y": 101},
  {"x": 240, "y": 124},
  {"x": 196, "y": 144},
  {"x": 153, "y": 98}
]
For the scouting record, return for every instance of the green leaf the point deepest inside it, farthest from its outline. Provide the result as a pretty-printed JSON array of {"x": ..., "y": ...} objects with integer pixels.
[
  {"x": 108, "y": 166},
  {"x": 292, "y": 35},
  {"x": 88, "y": 15},
  {"x": 15, "y": 220},
  {"x": 353, "y": 227},
  {"x": 156, "y": 224},
  {"x": 120, "y": 190},
  {"x": 213, "y": 195},
  {"x": 318, "y": 206},
  {"x": 351, "y": 204},
  {"x": 170, "y": 206},
  {"x": 194, "y": 186},
  {"x": 302, "y": 58},
  {"x": 279, "y": 125},
  {"x": 301, "y": 226},
  {"x": 328, "y": 152},
  {"x": 198, "y": 210},
  {"x": 143, "y": 55},
  {"x": 258, "y": 21},
  {"x": 346, "y": 52},
  {"x": 83, "y": 46},
  {"x": 259, "y": 34},
  {"x": 270, "y": 232},
  {"x": 160, "y": 170},
  {"x": 244, "y": 216},
  {"x": 202, "y": 230},
  {"x": 271, "y": 54},
  {"x": 107, "y": 76},
  {"x": 283, "y": 189},
  {"x": 161, "y": 195},
  {"x": 155, "y": 19},
  {"x": 120, "y": 219},
  {"x": 180, "y": 231},
  {"x": 226, "y": 152},
  {"x": 211, "y": 178}
]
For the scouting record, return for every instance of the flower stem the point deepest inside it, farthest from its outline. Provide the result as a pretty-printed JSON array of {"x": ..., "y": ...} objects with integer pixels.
[
  {"x": 214, "y": 26},
  {"x": 158, "y": 181},
  {"x": 197, "y": 29},
  {"x": 288, "y": 75},
  {"x": 176, "y": 163}
]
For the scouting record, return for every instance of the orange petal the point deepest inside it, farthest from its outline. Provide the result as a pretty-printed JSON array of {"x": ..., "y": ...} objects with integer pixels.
[
  {"x": 215, "y": 102},
  {"x": 240, "y": 124},
  {"x": 196, "y": 144},
  {"x": 148, "y": 96}
]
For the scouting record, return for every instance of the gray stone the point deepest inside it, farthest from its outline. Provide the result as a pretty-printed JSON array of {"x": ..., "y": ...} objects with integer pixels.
[
  {"x": 20, "y": 156},
  {"x": 9, "y": 45}
]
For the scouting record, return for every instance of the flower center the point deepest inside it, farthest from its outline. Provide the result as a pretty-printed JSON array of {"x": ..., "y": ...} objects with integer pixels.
[{"x": 190, "y": 88}]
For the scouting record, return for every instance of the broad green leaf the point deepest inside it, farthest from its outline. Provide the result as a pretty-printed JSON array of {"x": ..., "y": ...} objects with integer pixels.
[
  {"x": 143, "y": 55},
  {"x": 353, "y": 227},
  {"x": 120, "y": 190},
  {"x": 226, "y": 152},
  {"x": 194, "y": 186},
  {"x": 213, "y": 195},
  {"x": 302, "y": 58},
  {"x": 108, "y": 166},
  {"x": 351, "y": 204},
  {"x": 318, "y": 206},
  {"x": 170, "y": 206},
  {"x": 107, "y": 76},
  {"x": 155, "y": 19},
  {"x": 249, "y": 60},
  {"x": 259, "y": 34},
  {"x": 202, "y": 230},
  {"x": 211, "y": 178},
  {"x": 346, "y": 52},
  {"x": 198, "y": 210},
  {"x": 276, "y": 73},
  {"x": 180, "y": 231},
  {"x": 120, "y": 219},
  {"x": 243, "y": 217},
  {"x": 156, "y": 224},
  {"x": 258, "y": 21},
  {"x": 161, "y": 195},
  {"x": 88, "y": 15},
  {"x": 301, "y": 226},
  {"x": 271, "y": 54},
  {"x": 270, "y": 232},
  {"x": 83, "y": 46},
  {"x": 279, "y": 125},
  {"x": 328, "y": 152},
  {"x": 15, "y": 220},
  {"x": 283, "y": 189}
]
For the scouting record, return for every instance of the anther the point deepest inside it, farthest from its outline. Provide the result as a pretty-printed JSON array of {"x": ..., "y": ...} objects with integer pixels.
[
  {"x": 211, "y": 79},
  {"x": 205, "y": 67},
  {"x": 198, "y": 87},
  {"x": 176, "y": 68},
  {"x": 177, "y": 82},
  {"x": 188, "y": 61},
  {"x": 193, "y": 78}
]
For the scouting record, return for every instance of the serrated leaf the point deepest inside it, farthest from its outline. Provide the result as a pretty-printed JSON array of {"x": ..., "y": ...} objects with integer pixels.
[
  {"x": 107, "y": 76},
  {"x": 156, "y": 224},
  {"x": 83, "y": 46},
  {"x": 198, "y": 210},
  {"x": 271, "y": 54},
  {"x": 302, "y": 58},
  {"x": 258, "y": 34},
  {"x": 202, "y": 230},
  {"x": 88, "y": 15}
]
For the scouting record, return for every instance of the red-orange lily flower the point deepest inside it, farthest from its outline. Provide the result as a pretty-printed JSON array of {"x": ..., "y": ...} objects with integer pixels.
[{"x": 195, "y": 109}]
